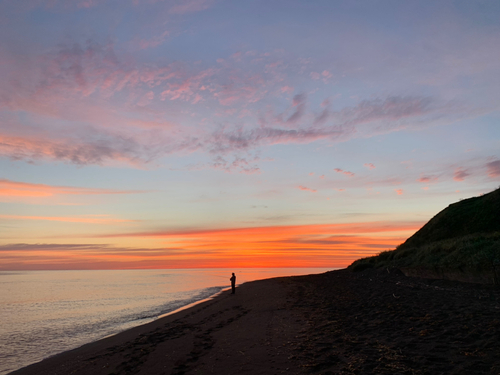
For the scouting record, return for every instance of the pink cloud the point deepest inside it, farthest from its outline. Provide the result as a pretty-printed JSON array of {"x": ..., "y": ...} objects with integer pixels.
[
  {"x": 493, "y": 168},
  {"x": 399, "y": 191},
  {"x": 188, "y": 87},
  {"x": 369, "y": 165},
  {"x": 140, "y": 148},
  {"x": 347, "y": 173},
  {"x": 86, "y": 82},
  {"x": 306, "y": 189},
  {"x": 230, "y": 94},
  {"x": 427, "y": 179},
  {"x": 326, "y": 74},
  {"x": 460, "y": 174},
  {"x": 315, "y": 75},
  {"x": 77, "y": 71},
  {"x": 273, "y": 65}
]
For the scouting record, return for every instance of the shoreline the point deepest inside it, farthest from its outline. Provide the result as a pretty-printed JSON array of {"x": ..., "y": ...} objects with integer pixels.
[
  {"x": 181, "y": 325},
  {"x": 192, "y": 304},
  {"x": 185, "y": 307},
  {"x": 335, "y": 322}
]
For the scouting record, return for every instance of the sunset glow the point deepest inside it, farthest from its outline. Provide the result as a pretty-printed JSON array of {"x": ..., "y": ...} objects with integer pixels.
[
  {"x": 200, "y": 133},
  {"x": 286, "y": 246}
]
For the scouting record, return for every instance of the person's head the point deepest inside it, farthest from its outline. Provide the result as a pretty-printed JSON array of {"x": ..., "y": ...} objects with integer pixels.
[{"x": 233, "y": 273}]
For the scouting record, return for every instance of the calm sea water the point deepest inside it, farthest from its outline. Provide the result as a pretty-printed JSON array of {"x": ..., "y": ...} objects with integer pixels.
[{"x": 43, "y": 313}]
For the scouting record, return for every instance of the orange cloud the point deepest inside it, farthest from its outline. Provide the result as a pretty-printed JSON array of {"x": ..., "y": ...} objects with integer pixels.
[
  {"x": 344, "y": 228},
  {"x": 9, "y": 188},
  {"x": 95, "y": 219},
  {"x": 321, "y": 245},
  {"x": 335, "y": 244},
  {"x": 399, "y": 191}
]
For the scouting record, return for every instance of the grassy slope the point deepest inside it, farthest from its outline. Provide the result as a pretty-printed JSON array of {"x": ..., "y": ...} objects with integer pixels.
[{"x": 463, "y": 238}]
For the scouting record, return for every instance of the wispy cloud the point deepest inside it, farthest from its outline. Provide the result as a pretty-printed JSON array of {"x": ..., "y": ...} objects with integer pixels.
[
  {"x": 103, "y": 94},
  {"x": 9, "y": 188},
  {"x": 345, "y": 228},
  {"x": 241, "y": 164},
  {"x": 367, "y": 119},
  {"x": 87, "y": 219},
  {"x": 304, "y": 188},
  {"x": 347, "y": 173}
]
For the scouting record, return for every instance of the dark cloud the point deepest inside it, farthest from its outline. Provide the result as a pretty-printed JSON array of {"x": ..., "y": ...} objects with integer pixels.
[
  {"x": 460, "y": 174},
  {"x": 87, "y": 146},
  {"x": 393, "y": 109},
  {"x": 428, "y": 179}
]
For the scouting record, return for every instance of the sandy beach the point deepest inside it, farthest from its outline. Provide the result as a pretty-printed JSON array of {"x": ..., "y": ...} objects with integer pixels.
[{"x": 335, "y": 323}]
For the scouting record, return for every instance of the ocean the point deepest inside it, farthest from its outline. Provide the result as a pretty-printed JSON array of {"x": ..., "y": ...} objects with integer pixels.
[{"x": 43, "y": 313}]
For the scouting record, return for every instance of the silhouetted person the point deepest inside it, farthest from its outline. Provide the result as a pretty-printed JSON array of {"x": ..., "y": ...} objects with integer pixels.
[{"x": 233, "y": 284}]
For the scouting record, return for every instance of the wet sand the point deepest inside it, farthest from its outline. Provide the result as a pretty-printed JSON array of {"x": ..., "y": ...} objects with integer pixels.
[{"x": 340, "y": 322}]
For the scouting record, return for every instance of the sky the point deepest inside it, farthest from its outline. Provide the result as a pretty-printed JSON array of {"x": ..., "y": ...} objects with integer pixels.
[{"x": 223, "y": 133}]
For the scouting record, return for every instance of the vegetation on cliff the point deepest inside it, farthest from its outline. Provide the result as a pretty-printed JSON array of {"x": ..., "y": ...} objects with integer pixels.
[{"x": 462, "y": 239}]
